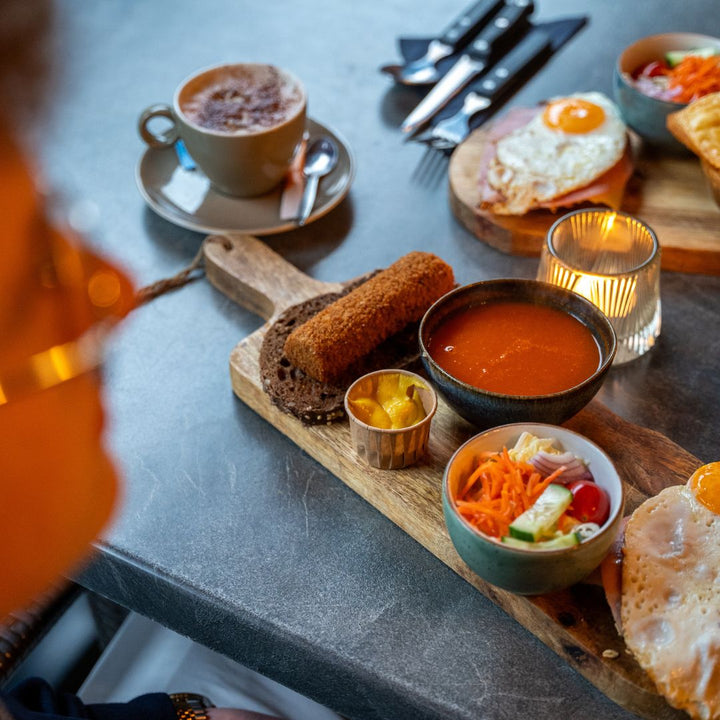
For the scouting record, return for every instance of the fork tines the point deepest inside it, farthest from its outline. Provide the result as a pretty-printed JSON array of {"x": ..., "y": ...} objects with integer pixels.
[{"x": 431, "y": 167}]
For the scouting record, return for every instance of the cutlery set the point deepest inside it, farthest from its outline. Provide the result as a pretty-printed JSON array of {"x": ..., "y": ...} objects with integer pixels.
[
  {"x": 477, "y": 58},
  {"x": 485, "y": 54}
]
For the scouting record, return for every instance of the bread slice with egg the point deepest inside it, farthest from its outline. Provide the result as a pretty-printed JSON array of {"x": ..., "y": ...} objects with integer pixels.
[
  {"x": 573, "y": 149},
  {"x": 671, "y": 598},
  {"x": 669, "y": 591}
]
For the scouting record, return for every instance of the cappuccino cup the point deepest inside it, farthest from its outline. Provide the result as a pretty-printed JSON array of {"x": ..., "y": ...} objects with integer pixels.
[{"x": 241, "y": 123}]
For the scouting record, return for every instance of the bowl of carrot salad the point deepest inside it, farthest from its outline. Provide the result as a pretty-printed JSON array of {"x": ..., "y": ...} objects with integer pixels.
[
  {"x": 532, "y": 508},
  {"x": 659, "y": 74}
]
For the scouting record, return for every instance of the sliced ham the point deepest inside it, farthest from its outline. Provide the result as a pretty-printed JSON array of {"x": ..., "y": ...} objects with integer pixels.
[{"x": 607, "y": 189}]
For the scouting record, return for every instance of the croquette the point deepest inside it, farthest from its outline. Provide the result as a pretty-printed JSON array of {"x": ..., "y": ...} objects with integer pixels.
[{"x": 327, "y": 344}]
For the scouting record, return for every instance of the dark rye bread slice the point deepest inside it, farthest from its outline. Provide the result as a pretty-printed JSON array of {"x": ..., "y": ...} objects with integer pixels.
[{"x": 314, "y": 402}]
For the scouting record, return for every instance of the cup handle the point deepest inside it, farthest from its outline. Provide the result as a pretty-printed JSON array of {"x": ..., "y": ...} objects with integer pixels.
[{"x": 168, "y": 138}]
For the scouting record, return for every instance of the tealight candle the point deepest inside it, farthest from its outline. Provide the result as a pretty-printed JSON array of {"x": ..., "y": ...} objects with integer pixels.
[{"x": 613, "y": 260}]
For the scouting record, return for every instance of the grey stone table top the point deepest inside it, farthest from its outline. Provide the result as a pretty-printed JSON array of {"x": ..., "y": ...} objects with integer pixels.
[{"x": 229, "y": 533}]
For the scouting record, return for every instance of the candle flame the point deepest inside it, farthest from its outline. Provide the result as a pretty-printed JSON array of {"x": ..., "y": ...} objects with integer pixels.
[{"x": 608, "y": 224}]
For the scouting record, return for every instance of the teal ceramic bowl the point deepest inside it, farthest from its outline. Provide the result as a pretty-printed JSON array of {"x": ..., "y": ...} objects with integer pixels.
[
  {"x": 530, "y": 572},
  {"x": 487, "y": 409},
  {"x": 644, "y": 114}
]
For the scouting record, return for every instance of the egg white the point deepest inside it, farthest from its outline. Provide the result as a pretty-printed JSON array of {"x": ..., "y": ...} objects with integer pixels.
[
  {"x": 536, "y": 163},
  {"x": 671, "y": 598}
]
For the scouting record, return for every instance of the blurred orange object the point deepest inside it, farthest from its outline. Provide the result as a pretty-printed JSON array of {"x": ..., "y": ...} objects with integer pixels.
[{"x": 57, "y": 299}]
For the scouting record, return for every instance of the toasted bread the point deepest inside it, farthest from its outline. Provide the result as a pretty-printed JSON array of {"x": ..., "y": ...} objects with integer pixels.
[
  {"x": 713, "y": 176},
  {"x": 697, "y": 126},
  {"x": 314, "y": 402}
]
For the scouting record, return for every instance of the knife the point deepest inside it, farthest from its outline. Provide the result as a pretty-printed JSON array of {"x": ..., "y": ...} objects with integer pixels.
[
  {"x": 472, "y": 63},
  {"x": 454, "y": 38}
]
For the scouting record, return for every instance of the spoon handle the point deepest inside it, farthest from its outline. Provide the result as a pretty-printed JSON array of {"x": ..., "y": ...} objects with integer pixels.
[{"x": 308, "y": 198}]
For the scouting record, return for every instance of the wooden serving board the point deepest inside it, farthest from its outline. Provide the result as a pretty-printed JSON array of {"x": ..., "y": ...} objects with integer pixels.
[
  {"x": 670, "y": 193},
  {"x": 576, "y": 623}
]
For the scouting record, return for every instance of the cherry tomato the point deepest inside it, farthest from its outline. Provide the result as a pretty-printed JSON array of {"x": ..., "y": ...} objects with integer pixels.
[
  {"x": 654, "y": 69},
  {"x": 590, "y": 502}
]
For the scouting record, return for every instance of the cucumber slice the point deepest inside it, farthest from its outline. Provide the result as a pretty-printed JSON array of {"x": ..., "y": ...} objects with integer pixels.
[
  {"x": 586, "y": 530},
  {"x": 673, "y": 57},
  {"x": 539, "y": 520},
  {"x": 562, "y": 541}
]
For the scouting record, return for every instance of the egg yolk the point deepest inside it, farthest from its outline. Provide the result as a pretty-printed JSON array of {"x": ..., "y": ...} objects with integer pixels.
[
  {"x": 573, "y": 115},
  {"x": 705, "y": 485}
]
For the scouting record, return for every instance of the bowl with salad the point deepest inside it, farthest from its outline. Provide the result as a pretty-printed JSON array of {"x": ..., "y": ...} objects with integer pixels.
[
  {"x": 530, "y": 507},
  {"x": 660, "y": 74}
]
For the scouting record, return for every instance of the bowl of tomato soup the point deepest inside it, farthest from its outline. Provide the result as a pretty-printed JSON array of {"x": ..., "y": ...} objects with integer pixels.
[{"x": 511, "y": 350}]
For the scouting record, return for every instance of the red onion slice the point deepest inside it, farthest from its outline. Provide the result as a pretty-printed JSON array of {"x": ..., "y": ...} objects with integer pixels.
[{"x": 574, "y": 469}]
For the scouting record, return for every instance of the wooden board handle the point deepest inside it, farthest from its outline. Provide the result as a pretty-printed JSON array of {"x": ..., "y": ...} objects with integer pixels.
[{"x": 254, "y": 276}]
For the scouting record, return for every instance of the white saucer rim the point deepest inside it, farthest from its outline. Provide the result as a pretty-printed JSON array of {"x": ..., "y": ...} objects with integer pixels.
[{"x": 263, "y": 230}]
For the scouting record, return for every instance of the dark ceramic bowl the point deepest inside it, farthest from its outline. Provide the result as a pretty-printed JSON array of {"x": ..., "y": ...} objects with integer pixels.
[
  {"x": 487, "y": 409},
  {"x": 644, "y": 114},
  {"x": 530, "y": 572}
]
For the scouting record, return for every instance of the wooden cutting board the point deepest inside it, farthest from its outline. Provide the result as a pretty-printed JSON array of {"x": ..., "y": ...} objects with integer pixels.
[
  {"x": 576, "y": 623},
  {"x": 670, "y": 193}
]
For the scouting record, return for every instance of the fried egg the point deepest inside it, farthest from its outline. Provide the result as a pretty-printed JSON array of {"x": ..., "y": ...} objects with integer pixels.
[
  {"x": 705, "y": 485},
  {"x": 564, "y": 147},
  {"x": 671, "y": 592}
]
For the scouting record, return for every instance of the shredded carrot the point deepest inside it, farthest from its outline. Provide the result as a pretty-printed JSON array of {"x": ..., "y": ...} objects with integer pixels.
[
  {"x": 555, "y": 474},
  {"x": 532, "y": 482},
  {"x": 470, "y": 482},
  {"x": 694, "y": 77},
  {"x": 498, "y": 490}
]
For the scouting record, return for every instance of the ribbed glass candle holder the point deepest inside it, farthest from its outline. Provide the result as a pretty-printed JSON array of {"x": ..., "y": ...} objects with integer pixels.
[{"x": 613, "y": 260}]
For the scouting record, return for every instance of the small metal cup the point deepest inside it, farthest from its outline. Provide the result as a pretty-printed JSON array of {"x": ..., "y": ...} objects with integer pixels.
[{"x": 390, "y": 449}]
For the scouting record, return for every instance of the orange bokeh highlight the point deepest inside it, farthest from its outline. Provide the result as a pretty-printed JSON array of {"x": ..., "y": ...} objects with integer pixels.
[{"x": 57, "y": 300}]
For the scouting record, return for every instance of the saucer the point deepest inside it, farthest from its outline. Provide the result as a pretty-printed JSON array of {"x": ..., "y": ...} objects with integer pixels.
[{"x": 186, "y": 198}]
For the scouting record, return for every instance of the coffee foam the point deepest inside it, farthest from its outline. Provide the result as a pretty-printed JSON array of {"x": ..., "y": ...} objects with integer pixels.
[{"x": 241, "y": 99}]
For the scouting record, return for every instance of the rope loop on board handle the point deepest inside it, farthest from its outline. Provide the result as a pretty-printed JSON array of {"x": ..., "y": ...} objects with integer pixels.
[{"x": 193, "y": 271}]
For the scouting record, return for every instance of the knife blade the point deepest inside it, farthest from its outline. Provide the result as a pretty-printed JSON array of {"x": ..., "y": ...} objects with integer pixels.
[
  {"x": 506, "y": 23},
  {"x": 453, "y": 39}
]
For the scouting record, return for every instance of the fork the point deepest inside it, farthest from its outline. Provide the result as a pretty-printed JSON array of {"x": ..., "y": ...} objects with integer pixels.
[
  {"x": 431, "y": 167},
  {"x": 444, "y": 137},
  {"x": 449, "y": 133}
]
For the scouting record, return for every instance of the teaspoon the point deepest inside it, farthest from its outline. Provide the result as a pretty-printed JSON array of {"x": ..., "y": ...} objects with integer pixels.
[{"x": 321, "y": 158}]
